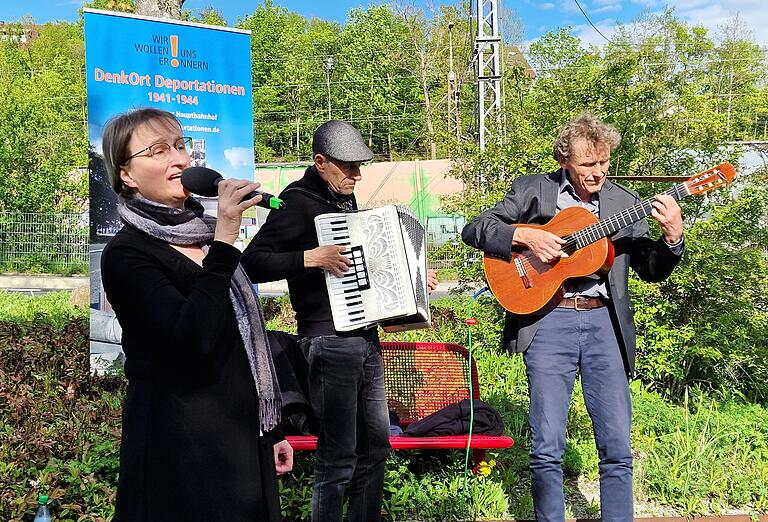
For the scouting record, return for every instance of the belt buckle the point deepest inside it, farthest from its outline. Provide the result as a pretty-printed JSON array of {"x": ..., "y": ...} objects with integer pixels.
[{"x": 576, "y": 303}]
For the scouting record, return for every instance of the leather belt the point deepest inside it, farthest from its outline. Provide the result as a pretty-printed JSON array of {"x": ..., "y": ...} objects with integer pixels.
[{"x": 581, "y": 303}]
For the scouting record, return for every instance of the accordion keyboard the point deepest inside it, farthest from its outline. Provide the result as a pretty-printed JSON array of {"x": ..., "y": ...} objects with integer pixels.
[{"x": 346, "y": 292}]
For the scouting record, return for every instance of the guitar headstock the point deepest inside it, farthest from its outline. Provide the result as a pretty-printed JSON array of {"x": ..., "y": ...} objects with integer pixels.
[{"x": 710, "y": 179}]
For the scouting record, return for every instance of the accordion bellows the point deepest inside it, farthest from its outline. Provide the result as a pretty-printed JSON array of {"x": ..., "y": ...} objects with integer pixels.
[{"x": 387, "y": 281}]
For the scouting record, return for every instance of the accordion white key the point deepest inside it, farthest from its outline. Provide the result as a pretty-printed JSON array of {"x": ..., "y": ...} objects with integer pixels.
[{"x": 387, "y": 281}]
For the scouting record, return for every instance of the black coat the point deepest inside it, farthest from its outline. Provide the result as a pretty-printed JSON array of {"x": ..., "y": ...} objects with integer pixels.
[
  {"x": 292, "y": 371},
  {"x": 191, "y": 448},
  {"x": 533, "y": 199}
]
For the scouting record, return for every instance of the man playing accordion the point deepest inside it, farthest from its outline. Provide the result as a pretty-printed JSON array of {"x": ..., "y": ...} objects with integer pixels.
[{"x": 346, "y": 372}]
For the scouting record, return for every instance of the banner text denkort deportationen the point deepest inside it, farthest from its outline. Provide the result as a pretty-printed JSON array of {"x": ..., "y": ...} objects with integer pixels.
[{"x": 174, "y": 84}]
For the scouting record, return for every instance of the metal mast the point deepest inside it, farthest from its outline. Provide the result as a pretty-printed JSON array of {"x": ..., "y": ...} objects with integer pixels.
[
  {"x": 488, "y": 66},
  {"x": 453, "y": 91}
]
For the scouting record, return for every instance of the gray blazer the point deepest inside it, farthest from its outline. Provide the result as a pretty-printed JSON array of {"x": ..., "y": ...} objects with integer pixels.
[{"x": 533, "y": 199}]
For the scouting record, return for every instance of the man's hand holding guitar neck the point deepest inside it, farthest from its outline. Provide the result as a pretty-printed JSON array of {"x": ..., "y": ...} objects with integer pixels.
[{"x": 667, "y": 212}]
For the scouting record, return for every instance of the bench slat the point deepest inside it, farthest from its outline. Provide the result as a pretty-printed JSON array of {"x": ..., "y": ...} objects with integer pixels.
[
  {"x": 309, "y": 442},
  {"x": 422, "y": 378}
]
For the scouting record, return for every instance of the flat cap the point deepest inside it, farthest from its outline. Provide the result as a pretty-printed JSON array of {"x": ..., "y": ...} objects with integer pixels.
[{"x": 341, "y": 141}]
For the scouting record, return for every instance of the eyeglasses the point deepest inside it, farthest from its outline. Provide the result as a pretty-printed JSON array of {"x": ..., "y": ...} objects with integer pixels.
[{"x": 162, "y": 151}]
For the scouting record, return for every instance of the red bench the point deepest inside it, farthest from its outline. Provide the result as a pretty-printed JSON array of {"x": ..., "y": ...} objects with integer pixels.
[{"x": 421, "y": 378}]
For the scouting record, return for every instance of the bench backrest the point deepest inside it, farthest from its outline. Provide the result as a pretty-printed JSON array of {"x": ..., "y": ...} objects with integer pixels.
[{"x": 421, "y": 378}]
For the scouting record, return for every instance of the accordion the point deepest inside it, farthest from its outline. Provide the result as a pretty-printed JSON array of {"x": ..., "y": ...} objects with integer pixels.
[{"x": 386, "y": 283}]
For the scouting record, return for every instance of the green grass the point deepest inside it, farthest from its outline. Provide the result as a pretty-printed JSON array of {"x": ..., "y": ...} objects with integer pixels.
[
  {"x": 52, "y": 308},
  {"x": 696, "y": 456},
  {"x": 702, "y": 456}
]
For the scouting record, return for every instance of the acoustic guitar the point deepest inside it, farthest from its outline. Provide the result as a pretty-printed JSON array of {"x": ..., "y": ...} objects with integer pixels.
[{"x": 526, "y": 284}]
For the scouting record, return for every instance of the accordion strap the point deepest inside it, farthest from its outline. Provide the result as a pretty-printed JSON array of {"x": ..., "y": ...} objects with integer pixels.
[{"x": 316, "y": 197}]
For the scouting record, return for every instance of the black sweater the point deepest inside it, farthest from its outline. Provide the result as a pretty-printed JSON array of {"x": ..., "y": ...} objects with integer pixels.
[{"x": 277, "y": 251}]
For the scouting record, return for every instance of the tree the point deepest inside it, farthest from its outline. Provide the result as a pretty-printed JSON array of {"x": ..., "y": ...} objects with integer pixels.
[
  {"x": 375, "y": 86},
  {"x": 208, "y": 16},
  {"x": 160, "y": 8},
  {"x": 42, "y": 122},
  {"x": 288, "y": 79},
  {"x": 417, "y": 27},
  {"x": 125, "y": 6},
  {"x": 671, "y": 90}
]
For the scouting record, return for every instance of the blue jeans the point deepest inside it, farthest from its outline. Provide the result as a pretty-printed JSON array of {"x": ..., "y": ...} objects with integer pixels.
[
  {"x": 568, "y": 340},
  {"x": 346, "y": 388}
]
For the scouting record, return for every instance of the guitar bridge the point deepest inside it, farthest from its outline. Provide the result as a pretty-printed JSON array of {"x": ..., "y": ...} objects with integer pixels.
[{"x": 521, "y": 271}]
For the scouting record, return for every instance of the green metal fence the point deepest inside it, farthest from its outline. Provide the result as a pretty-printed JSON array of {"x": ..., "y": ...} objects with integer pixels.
[{"x": 43, "y": 243}]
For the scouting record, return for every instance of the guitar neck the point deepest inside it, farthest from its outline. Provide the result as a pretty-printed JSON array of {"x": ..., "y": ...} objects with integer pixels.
[{"x": 606, "y": 227}]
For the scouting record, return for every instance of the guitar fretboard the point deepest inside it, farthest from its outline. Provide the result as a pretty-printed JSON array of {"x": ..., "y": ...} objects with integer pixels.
[{"x": 606, "y": 227}]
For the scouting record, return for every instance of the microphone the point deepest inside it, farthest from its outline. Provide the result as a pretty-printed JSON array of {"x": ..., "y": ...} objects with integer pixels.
[{"x": 205, "y": 182}]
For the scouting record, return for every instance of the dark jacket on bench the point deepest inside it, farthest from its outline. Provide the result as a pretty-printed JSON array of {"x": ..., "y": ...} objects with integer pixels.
[{"x": 454, "y": 420}]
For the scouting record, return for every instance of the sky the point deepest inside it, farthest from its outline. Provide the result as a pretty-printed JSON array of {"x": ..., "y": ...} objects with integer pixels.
[{"x": 537, "y": 16}]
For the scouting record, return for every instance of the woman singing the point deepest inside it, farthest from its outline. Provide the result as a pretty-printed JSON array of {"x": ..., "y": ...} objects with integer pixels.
[{"x": 198, "y": 441}]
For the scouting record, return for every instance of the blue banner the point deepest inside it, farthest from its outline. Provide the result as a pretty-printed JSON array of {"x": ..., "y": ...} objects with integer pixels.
[{"x": 202, "y": 74}]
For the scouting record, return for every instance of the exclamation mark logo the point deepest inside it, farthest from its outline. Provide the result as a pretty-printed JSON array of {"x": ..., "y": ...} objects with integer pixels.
[{"x": 174, "y": 50}]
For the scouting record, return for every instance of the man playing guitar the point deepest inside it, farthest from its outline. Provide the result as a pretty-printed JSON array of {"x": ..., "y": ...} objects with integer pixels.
[{"x": 589, "y": 326}]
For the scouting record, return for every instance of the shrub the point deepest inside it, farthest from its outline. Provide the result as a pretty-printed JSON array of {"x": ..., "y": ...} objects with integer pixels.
[{"x": 59, "y": 426}]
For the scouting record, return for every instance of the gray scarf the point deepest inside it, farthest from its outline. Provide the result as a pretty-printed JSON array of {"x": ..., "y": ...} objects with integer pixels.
[{"x": 191, "y": 226}]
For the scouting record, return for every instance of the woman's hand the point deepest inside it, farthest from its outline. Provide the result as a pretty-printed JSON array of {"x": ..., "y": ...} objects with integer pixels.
[
  {"x": 283, "y": 457},
  {"x": 231, "y": 206}
]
